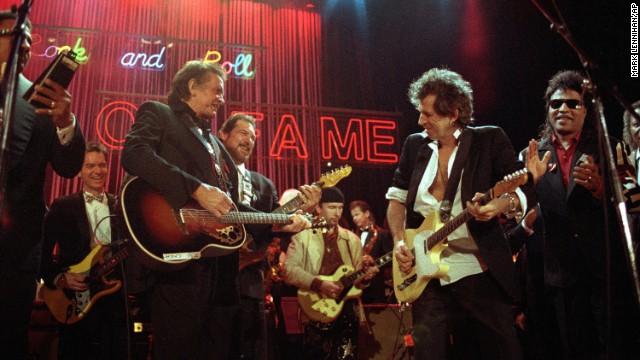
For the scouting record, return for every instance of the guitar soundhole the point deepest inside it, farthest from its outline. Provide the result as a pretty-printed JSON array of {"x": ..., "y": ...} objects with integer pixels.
[{"x": 229, "y": 234}]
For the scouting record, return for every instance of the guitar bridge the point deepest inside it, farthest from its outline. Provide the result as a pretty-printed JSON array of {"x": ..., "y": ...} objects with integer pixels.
[{"x": 407, "y": 282}]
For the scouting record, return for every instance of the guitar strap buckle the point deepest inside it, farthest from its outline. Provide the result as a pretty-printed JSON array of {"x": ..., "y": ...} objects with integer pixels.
[{"x": 445, "y": 210}]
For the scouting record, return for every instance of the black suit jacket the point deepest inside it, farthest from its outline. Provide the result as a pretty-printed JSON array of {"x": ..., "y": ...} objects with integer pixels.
[
  {"x": 573, "y": 222},
  {"x": 165, "y": 149},
  {"x": 33, "y": 144},
  {"x": 489, "y": 157},
  {"x": 265, "y": 199},
  {"x": 67, "y": 225}
]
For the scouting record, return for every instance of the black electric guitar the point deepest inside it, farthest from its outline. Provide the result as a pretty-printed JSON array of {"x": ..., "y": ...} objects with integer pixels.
[
  {"x": 319, "y": 307},
  {"x": 68, "y": 306},
  {"x": 249, "y": 256},
  {"x": 166, "y": 239},
  {"x": 431, "y": 238}
]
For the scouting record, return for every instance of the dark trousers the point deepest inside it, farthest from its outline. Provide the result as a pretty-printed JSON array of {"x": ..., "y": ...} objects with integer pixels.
[
  {"x": 182, "y": 316},
  {"x": 101, "y": 334},
  {"x": 239, "y": 330},
  {"x": 469, "y": 319},
  {"x": 17, "y": 292},
  {"x": 335, "y": 341}
]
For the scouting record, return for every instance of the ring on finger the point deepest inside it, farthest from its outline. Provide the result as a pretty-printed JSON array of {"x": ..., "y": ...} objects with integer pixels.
[
  {"x": 53, "y": 104},
  {"x": 50, "y": 112},
  {"x": 589, "y": 177}
]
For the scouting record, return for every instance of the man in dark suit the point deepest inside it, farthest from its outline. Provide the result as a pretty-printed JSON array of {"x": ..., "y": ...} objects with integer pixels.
[
  {"x": 376, "y": 242},
  {"x": 77, "y": 224},
  {"x": 38, "y": 137},
  {"x": 242, "y": 327},
  {"x": 474, "y": 298},
  {"x": 571, "y": 194},
  {"x": 172, "y": 149}
]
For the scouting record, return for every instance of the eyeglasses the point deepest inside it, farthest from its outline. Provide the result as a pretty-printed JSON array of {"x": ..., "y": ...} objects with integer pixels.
[{"x": 571, "y": 103}]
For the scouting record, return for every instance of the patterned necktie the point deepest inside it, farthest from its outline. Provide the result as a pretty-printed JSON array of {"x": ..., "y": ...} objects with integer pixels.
[
  {"x": 247, "y": 189},
  {"x": 89, "y": 198}
]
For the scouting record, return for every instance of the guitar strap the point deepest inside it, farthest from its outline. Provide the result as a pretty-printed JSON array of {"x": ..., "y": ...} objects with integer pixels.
[{"x": 464, "y": 145}]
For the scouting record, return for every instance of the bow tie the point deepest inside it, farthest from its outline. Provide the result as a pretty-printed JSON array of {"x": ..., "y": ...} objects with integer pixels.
[{"x": 89, "y": 198}]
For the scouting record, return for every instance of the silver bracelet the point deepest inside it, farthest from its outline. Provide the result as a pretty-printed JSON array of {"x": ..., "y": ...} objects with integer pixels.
[{"x": 513, "y": 208}]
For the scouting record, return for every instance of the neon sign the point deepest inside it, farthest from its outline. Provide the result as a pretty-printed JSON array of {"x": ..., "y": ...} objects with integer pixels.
[
  {"x": 362, "y": 141},
  {"x": 116, "y": 115},
  {"x": 143, "y": 60},
  {"x": 52, "y": 50},
  {"x": 368, "y": 140},
  {"x": 240, "y": 67}
]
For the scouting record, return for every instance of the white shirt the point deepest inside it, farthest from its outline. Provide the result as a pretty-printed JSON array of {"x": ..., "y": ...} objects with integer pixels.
[
  {"x": 462, "y": 254},
  {"x": 96, "y": 212}
]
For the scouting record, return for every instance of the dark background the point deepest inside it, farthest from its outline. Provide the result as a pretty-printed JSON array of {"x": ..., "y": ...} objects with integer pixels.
[{"x": 505, "y": 48}]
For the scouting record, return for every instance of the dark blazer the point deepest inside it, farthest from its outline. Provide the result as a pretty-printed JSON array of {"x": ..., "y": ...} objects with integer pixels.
[
  {"x": 489, "y": 157},
  {"x": 573, "y": 222},
  {"x": 33, "y": 144},
  {"x": 165, "y": 149},
  {"x": 376, "y": 245},
  {"x": 67, "y": 225},
  {"x": 265, "y": 199}
]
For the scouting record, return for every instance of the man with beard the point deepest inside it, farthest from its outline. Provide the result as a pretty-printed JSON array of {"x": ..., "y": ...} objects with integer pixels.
[{"x": 242, "y": 326}]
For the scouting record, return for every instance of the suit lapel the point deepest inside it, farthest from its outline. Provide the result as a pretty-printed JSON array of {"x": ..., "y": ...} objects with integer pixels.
[
  {"x": 21, "y": 130},
  {"x": 422, "y": 160},
  {"x": 553, "y": 175},
  {"x": 84, "y": 225}
]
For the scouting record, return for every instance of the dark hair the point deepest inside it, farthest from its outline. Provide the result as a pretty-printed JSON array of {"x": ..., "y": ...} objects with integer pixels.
[
  {"x": 93, "y": 146},
  {"x": 230, "y": 123},
  {"x": 566, "y": 80},
  {"x": 364, "y": 207},
  {"x": 197, "y": 70},
  {"x": 451, "y": 90},
  {"x": 10, "y": 14},
  {"x": 626, "y": 131}
]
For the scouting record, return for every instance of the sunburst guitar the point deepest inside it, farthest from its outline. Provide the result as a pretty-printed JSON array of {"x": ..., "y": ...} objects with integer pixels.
[
  {"x": 428, "y": 241},
  {"x": 167, "y": 239}
]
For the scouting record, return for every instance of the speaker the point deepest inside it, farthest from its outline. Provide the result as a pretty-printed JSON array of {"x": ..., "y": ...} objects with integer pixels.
[{"x": 388, "y": 325}]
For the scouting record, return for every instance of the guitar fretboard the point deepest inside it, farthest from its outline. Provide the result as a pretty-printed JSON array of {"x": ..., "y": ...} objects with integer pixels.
[
  {"x": 108, "y": 265},
  {"x": 347, "y": 281},
  {"x": 453, "y": 224}
]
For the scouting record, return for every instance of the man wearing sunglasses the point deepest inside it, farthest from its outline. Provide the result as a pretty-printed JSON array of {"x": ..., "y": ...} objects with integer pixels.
[{"x": 570, "y": 195}]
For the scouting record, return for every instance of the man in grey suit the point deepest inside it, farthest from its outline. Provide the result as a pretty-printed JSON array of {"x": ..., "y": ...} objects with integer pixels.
[{"x": 38, "y": 137}]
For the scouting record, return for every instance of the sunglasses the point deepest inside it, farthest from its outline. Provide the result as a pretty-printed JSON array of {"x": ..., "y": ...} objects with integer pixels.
[{"x": 571, "y": 103}]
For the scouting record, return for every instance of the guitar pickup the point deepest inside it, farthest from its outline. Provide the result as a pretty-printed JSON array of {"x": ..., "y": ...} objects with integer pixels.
[{"x": 407, "y": 282}]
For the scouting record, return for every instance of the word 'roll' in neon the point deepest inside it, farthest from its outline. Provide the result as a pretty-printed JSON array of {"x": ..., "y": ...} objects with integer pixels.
[{"x": 240, "y": 67}]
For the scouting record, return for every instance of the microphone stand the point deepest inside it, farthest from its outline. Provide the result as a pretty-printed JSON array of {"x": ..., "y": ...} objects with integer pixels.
[
  {"x": 8, "y": 92},
  {"x": 593, "y": 73}
]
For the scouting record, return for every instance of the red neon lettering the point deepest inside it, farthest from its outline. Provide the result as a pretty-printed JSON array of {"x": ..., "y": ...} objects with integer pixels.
[
  {"x": 375, "y": 140},
  {"x": 288, "y": 138},
  {"x": 114, "y": 116},
  {"x": 343, "y": 147}
]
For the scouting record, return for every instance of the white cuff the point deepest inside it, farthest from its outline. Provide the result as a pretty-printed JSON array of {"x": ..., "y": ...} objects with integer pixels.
[{"x": 65, "y": 134}]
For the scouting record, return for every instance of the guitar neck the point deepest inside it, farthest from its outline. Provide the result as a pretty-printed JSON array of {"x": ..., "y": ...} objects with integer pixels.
[
  {"x": 290, "y": 206},
  {"x": 237, "y": 217},
  {"x": 349, "y": 280},
  {"x": 293, "y": 204},
  {"x": 110, "y": 264}
]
